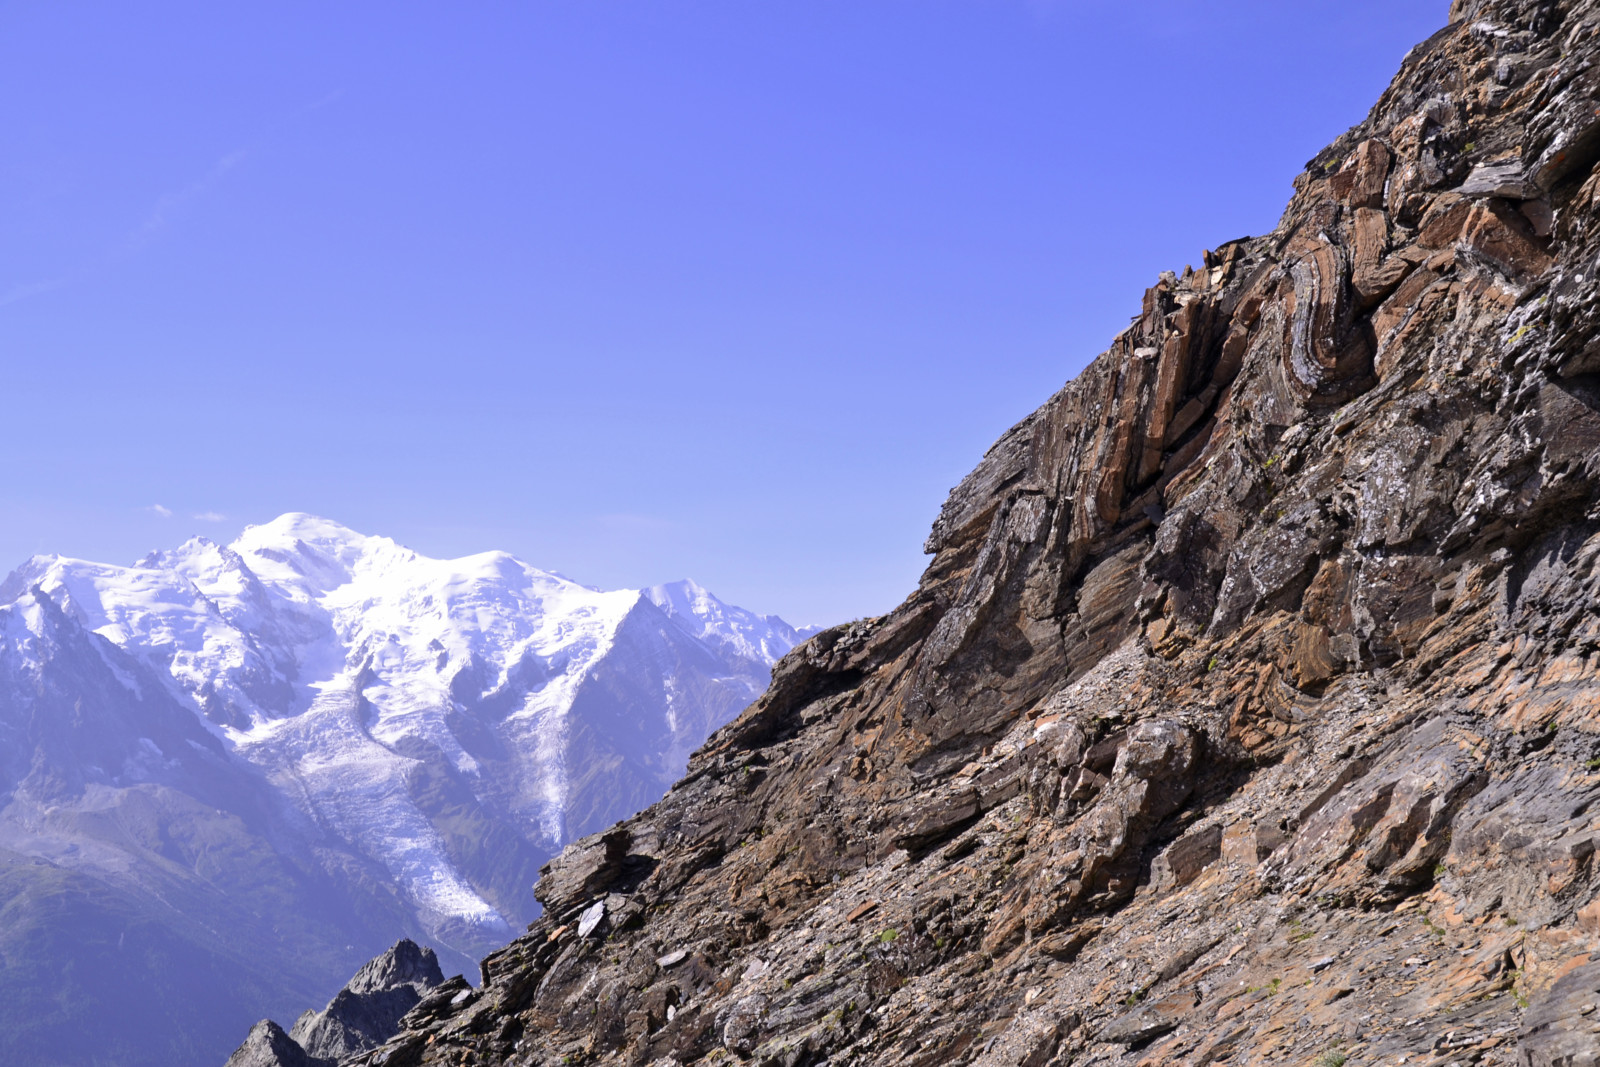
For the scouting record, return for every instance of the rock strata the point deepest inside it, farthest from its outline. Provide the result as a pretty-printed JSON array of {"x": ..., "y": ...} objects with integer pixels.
[{"x": 1249, "y": 708}]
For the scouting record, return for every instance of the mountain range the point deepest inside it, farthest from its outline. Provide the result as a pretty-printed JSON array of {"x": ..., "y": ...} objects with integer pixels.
[{"x": 230, "y": 773}]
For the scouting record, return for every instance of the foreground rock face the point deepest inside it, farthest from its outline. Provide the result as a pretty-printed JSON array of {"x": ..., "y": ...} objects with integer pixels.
[
  {"x": 361, "y": 1016},
  {"x": 1248, "y": 710}
]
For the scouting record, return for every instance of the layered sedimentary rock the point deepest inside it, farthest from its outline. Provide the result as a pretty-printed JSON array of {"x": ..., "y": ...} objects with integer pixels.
[{"x": 1248, "y": 709}]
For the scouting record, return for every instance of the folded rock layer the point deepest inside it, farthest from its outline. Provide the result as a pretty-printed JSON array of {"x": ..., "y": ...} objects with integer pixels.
[{"x": 1248, "y": 709}]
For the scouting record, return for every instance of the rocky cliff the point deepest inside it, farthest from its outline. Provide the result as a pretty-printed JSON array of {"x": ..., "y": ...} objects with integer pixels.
[
  {"x": 1248, "y": 709},
  {"x": 362, "y": 1015}
]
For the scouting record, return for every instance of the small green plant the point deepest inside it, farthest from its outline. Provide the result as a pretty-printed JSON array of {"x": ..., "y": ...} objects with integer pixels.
[
  {"x": 1332, "y": 1058},
  {"x": 1272, "y": 986},
  {"x": 1439, "y": 869},
  {"x": 888, "y": 935},
  {"x": 1134, "y": 997},
  {"x": 1593, "y": 764},
  {"x": 1211, "y": 665},
  {"x": 1511, "y": 920}
]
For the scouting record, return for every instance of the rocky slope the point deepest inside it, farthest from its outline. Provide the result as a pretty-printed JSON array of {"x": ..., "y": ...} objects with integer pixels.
[
  {"x": 1248, "y": 710},
  {"x": 363, "y": 1014},
  {"x": 228, "y": 774}
]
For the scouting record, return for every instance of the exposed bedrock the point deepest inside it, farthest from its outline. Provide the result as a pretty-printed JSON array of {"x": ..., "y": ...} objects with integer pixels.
[
  {"x": 1248, "y": 708},
  {"x": 361, "y": 1016}
]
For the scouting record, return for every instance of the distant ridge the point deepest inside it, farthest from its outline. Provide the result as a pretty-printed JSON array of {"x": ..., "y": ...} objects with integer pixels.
[{"x": 319, "y": 729}]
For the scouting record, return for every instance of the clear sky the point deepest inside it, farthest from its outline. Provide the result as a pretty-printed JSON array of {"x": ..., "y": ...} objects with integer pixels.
[{"x": 634, "y": 289}]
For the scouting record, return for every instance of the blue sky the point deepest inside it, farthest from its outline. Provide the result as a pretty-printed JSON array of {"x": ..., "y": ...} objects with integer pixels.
[{"x": 635, "y": 289}]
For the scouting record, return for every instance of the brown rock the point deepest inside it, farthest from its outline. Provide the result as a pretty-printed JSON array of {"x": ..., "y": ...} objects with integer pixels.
[{"x": 1219, "y": 727}]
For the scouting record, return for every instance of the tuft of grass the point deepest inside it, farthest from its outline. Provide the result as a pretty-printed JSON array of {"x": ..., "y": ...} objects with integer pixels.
[{"x": 1332, "y": 1058}]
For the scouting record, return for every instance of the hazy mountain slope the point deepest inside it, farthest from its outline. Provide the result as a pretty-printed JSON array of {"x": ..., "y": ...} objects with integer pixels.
[
  {"x": 272, "y": 759},
  {"x": 156, "y": 892},
  {"x": 1249, "y": 708}
]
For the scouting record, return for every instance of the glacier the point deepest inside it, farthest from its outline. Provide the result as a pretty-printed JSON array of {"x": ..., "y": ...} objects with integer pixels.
[{"x": 403, "y": 739}]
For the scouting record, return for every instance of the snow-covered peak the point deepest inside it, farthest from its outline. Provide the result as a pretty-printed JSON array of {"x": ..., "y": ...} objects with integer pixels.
[
  {"x": 307, "y": 556},
  {"x": 297, "y": 528},
  {"x": 252, "y": 631},
  {"x": 377, "y": 687},
  {"x": 693, "y": 607}
]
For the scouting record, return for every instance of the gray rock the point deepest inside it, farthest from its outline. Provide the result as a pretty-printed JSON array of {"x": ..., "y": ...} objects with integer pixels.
[
  {"x": 1498, "y": 179},
  {"x": 268, "y": 1046},
  {"x": 1149, "y": 1021},
  {"x": 367, "y": 1012},
  {"x": 590, "y": 919},
  {"x": 583, "y": 868},
  {"x": 1559, "y": 1027}
]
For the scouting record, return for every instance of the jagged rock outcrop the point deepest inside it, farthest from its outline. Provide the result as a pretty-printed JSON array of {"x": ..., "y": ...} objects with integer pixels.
[
  {"x": 1249, "y": 708},
  {"x": 361, "y": 1016},
  {"x": 269, "y": 1046}
]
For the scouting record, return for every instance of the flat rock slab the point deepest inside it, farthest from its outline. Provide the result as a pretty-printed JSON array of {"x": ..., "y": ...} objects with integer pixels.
[{"x": 1562, "y": 1028}]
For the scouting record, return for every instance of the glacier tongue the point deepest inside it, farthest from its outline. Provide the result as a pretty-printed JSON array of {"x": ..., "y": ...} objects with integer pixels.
[{"x": 455, "y": 721}]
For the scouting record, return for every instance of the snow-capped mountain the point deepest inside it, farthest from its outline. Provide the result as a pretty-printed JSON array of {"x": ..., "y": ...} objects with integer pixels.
[{"x": 425, "y": 732}]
